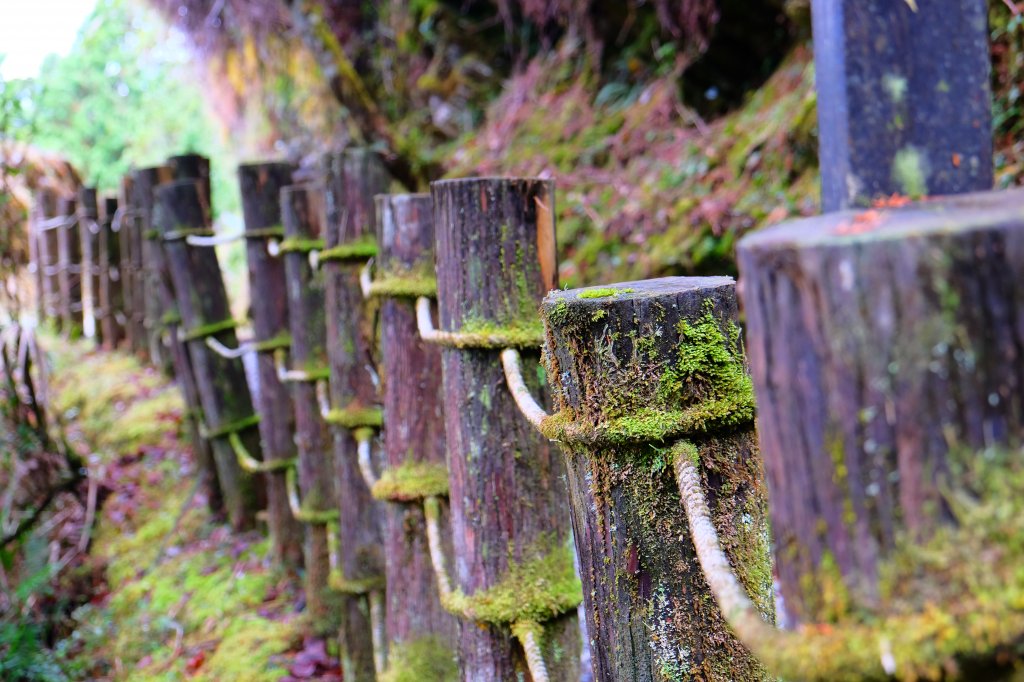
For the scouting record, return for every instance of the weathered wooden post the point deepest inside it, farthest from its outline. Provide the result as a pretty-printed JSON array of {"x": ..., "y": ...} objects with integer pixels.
[
  {"x": 514, "y": 575},
  {"x": 645, "y": 372},
  {"x": 69, "y": 272},
  {"x": 35, "y": 265},
  {"x": 203, "y": 305},
  {"x": 147, "y": 267},
  {"x": 302, "y": 214},
  {"x": 110, "y": 311},
  {"x": 261, "y": 205},
  {"x": 130, "y": 231},
  {"x": 353, "y": 178},
  {"x": 904, "y": 104},
  {"x": 421, "y": 633},
  {"x": 89, "y": 232},
  {"x": 192, "y": 167},
  {"x": 49, "y": 253}
]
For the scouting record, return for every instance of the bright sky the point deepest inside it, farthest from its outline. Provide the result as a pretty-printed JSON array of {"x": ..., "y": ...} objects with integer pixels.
[{"x": 32, "y": 29}]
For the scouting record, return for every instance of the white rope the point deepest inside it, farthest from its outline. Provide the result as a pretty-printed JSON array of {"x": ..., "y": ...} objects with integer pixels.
[
  {"x": 513, "y": 366},
  {"x": 432, "y": 512},
  {"x": 424, "y": 320},
  {"x": 365, "y": 460},
  {"x": 323, "y": 398},
  {"x": 230, "y": 353},
  {"x": 365, "y": 278},
  {"x": 377, "y": 625},
  {"x": 216, "y": 240},
  {"x": 534, "y": 657}
]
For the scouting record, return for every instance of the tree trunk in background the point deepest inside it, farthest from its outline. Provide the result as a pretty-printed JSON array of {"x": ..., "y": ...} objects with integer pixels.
[
  {"x": 620, "y": 353},
  {"x": 203, "y": 304},
  {"x": 495, "y": 260},
  {"x": 147, "y": 273},
  {"x": 69, "y": 275},
  {"x": 302, "y": 214},
  {"x": 261, "y": 206},
  {"x": 883, "y": 349},
  {"x": 353, "y": 178},
  {"x": 413, "y": 434}
]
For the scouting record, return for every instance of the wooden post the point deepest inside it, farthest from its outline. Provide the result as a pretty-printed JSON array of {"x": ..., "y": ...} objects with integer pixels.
[
  {"x": 89, "y": 232},
  {"x": 147, "y": 270},
  {"x": 69, "y": 272},
  {"x": 49, "y": 253},
  {"x": 261, "y": 205},
  {"x": 495, "y": 246},
  {"x": 421, "y": 633},
  {"x": 196, "y": 168},
  {"x": 35, "y": 265},
  {"x": 641, "y": 366},
  {"x": 904, "y": 102},
  {"x": 130, "y": 237},
  {"x": 111, "y": 311},
  {"x": 302, "y": 214},
  {"x": 203, "y": 305},
  {"x": 890, "y": 391},
  {"x": 353, "y": 178}
]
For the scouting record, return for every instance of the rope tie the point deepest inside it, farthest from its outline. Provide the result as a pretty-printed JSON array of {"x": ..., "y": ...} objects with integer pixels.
[
  {"x": 395, "y": 286},
  {"x": 231, "y": 427},
  {"x": 293, "y": 376},
  {"x": 281, "y": 341},
  {"x": 213, "y": 240},
  {"x": 206, "y": 330},
  {"x": 181, "y": 234},
  {"x": 252, "y": 465},
  {"x": 485, "y": 338},
  {"x": 310, "y": 516},
  {"x": 354, "y": 252}
]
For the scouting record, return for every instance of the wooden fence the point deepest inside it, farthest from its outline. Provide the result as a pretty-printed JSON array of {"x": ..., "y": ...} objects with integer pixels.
[{"x": 464, "y": 491}]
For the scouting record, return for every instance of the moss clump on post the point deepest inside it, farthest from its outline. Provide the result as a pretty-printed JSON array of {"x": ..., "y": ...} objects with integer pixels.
[
  {"x": 412, "y": 481},
  {"x": 419, "y": 660}
]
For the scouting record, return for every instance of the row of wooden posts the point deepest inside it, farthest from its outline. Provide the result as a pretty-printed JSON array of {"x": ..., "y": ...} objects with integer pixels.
[{"x": 453, "y": 495}]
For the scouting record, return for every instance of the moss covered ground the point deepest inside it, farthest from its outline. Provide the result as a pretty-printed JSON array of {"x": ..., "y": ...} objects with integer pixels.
[{"x": 184, "y": 598}]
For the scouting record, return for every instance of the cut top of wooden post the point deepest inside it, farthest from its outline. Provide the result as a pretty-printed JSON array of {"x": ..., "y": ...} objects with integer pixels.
[
  {"x": 405, "y": 235},
  {"x": 495, "y": 251},
  {"x": 353, "y": 177},
  {"x": 904, "y": 101},
  {"x": 192, "y": 166}
]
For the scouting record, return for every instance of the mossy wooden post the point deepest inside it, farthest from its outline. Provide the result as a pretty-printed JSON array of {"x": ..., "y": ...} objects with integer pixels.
[
  {"x": 414, "y": 443},
  {"x": 110, "y": 296},
  {"x": 353, "y": 178},
  {"x": 197, "y": 168},
  {"x": 129, "y": 237},
  {"x": 69, "y": 273},
  {"x": 302, "y": 215},
  {"x": 148, "y": 266},
  {"x": 886, "y": 357},
  {"x": 495, "y": 246},
  {"x": 904, "y": 102},
  {"x": 205, "y": 313},
  {"x": 637, "y": 367},
  {"x": 89, "y": 232},
  {"x": 261, "y": 206},
  {"x": 49, "y": 254}
]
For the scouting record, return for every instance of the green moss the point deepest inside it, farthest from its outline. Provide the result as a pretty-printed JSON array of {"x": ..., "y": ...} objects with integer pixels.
[
  {"x": 248, "y": 650},
  {"x": 603, "y": 293},
  {"x": 208, "y": 329},
  {"x": 297, "y": 245},
  {"x": 355, "y": 417},
  {"x": 355, "y": 251},
  {"x": 404, "y": 286},
  {"x": 538, "y": 589},
  {"x": 412, "y": 481},
  {"x": 421, "y": 660},
  {"x": 479, "y": 333},
  {"x": 339, "y": 583},
  {"x": 281, "y": 340}
]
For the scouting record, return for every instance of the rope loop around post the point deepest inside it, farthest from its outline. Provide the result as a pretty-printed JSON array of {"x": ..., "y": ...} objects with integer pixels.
[
  {"x": 292, "y": 376},
  {"x": 482, "y": 338},
  {"x": 252, "y": 465},
  {"x": 213, "y": 240},
  {"x": 512, "y": 364},
  {"x": 181, "y": 234},
  {"x": 355, "y": 252},
  {"x": 231, "y": 427},
  {"x": 310, "y": 516},
  {"x": 206, "y": 330},
  {"x": 406, "y": 285}
]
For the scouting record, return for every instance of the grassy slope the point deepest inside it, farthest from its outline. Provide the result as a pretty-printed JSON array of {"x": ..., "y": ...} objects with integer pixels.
[{"x": 187, "y": 599}]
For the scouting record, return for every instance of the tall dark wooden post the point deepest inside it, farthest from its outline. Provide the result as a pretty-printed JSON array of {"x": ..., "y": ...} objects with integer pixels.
[
  {"x": 302, "y": 214},
  {"x": 353, "y": 178},
  {"x": 89, "y": 232},
  {"x": 69, "y": 274},
  {"x": 110, "y": 310},
  {"x": 891, "y": 408},
  {"x": 129, "y": 234},
  {"x": 637, "y": 367},
  {"x": 191, "y": 167},
  {"x": 261, "y": 205},
  {"x": 147, "y": 273},
  {"x": 903, "y": 98},
  {"x": 49, "y": 253},
  {"x": 414, "y": 443},
  {"x": 205, "y": 313},
  {"x": 495, "y": 246}
]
